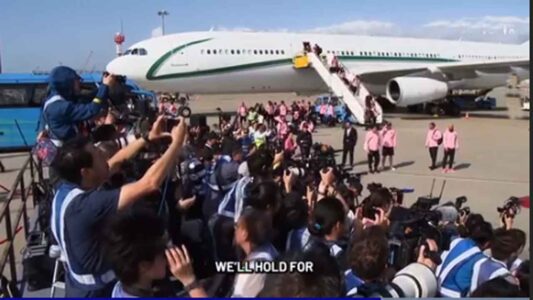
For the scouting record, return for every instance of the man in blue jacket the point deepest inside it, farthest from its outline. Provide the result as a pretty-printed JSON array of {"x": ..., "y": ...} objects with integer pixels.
[{"x": 62, "y": 113}]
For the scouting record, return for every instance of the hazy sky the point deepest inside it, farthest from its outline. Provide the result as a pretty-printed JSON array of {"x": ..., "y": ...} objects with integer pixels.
[{"x": 36, "y": 34}]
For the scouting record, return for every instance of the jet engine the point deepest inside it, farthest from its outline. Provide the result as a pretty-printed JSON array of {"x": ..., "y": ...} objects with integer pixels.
[{"x": 404, "y": 91}]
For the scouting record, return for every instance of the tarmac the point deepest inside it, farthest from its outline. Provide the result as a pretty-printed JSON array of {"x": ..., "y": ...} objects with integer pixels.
[{"x": 491, "y": 164}]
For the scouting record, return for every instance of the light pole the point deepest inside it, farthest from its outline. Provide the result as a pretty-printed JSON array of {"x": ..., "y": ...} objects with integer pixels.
[{"x": 162, "y": 14}]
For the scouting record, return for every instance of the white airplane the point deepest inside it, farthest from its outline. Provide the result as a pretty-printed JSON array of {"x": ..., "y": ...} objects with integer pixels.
[{"x": 259, "y": 62}]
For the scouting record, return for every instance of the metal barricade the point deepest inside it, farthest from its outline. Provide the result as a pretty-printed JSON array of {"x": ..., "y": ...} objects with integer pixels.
[{"x": 14, "y": 209}]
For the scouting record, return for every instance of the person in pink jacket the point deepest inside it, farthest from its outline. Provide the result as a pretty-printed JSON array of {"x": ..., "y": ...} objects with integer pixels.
[
  {"x": 290, "y": 145},
  {"x": 388, "y": 138},
  {"x": 371, "y": 147},
  {"x": 433, "y": 140},
  {"x": 282, "y": 128},
  {"x": 450, "y": 142}
]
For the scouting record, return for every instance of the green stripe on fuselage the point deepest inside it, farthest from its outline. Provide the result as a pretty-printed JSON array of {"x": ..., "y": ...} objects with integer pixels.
[
  {"x": 150, "y": 75},
  {"x": 396, "y": 58}
]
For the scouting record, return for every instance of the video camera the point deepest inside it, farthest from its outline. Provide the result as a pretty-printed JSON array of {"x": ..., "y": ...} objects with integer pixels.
[
  {"x": 411, "y": 227},
  {"x": 511, "y": 207},
  {"x": 463, "y": 211}
]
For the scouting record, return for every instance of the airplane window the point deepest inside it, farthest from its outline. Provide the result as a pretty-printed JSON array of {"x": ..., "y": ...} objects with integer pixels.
[
  {"x": 202, "y": 51},
  {"x": 134, "y": 51},
  {"x": 277, "y": 52},
  {"x": 127, "y": 52},
  {"x": 142, "y": 51},
  {"x": 272, "y": 52},
  {"x": 214, "y": 51},
  {"x": 282, "y": 52},
  {"x": 260, "y": 51},
  {"x": 208, "y": 51},
  {"x": 255, "y": 52},
  {"x": 238, "y": 51},
  {"x": 232, "y": 51},
  {"x": 266, "y": 52},
  {"x": 226, "y": 51},
  {"x": 249, "y": 51}
]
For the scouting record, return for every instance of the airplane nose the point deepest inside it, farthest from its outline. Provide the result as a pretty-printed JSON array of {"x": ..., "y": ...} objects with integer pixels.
[{"x": 113, "y": 66}]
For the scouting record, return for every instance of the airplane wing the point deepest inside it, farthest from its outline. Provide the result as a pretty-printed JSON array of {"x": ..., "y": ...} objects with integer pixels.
[{"x": 445, "y": 71}]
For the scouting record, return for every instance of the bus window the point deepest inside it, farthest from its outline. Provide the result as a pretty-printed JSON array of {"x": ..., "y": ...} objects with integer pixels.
[
  {"x": 39, "y": 95},
  {"x": 14, "y": 96}
]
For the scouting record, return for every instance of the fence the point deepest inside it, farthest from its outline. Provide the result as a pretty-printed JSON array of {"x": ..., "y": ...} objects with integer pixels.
[{"x": 12, "y": 216}]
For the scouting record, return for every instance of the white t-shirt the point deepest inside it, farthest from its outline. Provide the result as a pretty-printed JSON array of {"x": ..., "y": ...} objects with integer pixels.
[{"x": 119, "y": 292}]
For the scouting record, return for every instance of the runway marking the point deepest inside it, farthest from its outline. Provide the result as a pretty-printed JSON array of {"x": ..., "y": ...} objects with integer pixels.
[{"x": 468, "y": 179}]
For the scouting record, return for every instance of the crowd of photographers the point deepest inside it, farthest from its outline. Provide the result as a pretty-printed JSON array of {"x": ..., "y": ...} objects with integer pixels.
[{"x": 150, "y": 210}]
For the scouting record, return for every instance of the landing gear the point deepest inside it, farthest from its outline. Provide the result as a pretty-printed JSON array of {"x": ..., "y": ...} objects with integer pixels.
[{"x": 441, "y": 108}]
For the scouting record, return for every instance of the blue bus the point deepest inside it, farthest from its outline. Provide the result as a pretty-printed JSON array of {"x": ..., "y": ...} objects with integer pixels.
[{"x": 21, "y": 96}]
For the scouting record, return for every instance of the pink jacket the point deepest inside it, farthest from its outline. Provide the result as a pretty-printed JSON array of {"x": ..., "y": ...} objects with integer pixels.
[
  {"x": 330, "y": 111},
  {"x": 450, "y": 140},
  {"x": 432, "y": 137},
  {"x": 283, "y": 128},
  {"x": 388, "y": 137},
  {"x": 290, "y": 145},
  {"x": 323, "y": 109},
  {"x": 242, "y": 111},
  {"x": 283, "y": 110},
  {"x": 372, "y": 141}
]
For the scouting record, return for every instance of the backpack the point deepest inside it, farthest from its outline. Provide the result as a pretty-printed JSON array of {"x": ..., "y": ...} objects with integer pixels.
[{"x": 45, "y": 149}]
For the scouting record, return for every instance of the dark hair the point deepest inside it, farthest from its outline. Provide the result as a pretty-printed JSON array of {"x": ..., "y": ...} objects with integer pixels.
[
  {"x": 325, "y": 280},
  {"x": 373, "y": 186},
  {"x": 518, "y": 236},
  {"x": 522, "y": 274},
  {"x": 109, "y": 148},
  {"x": 477, "y": 229},
  {"x": 263, "y": 194},
  {"x": 71, "y": 158},
  {"x": 106, "y": 132},
  {"x": 258, "y": 224},
  {"x": 347, "y": 195},
  {"x": 133, "y": 236},
  {"x": 379, "y": 198},
  {"x": 327, "y": 213},
  {"x": 293, "y": 212},
  {"x": 498, "y": 287},
  {"x": 505, "y": 242},
  {"x": 369, "y": 252},
  {"x": 260, "y": 163}
]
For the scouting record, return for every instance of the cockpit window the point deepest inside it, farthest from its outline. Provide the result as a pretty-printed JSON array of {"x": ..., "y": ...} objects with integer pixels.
[{"x": 136, "y": 51}]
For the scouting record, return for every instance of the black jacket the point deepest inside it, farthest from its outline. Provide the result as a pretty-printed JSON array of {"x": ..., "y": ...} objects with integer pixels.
[
  {"x": 349, "y": 140},
  {"x": 305, "y": 139}
]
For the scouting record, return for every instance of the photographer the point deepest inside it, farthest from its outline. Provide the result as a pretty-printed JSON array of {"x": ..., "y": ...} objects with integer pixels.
[
  {"x": 80, "y": 206},
  {"x": 325, "y": 281},
  {"x": 327, "y": 227},
  {"x": 62, "y": 113},
  {"x": 368, "y": 266},
  {"x": 221, "y": 180},
  {"x": 505, "y": 247},
  {"x": 455, "y": 272}
]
